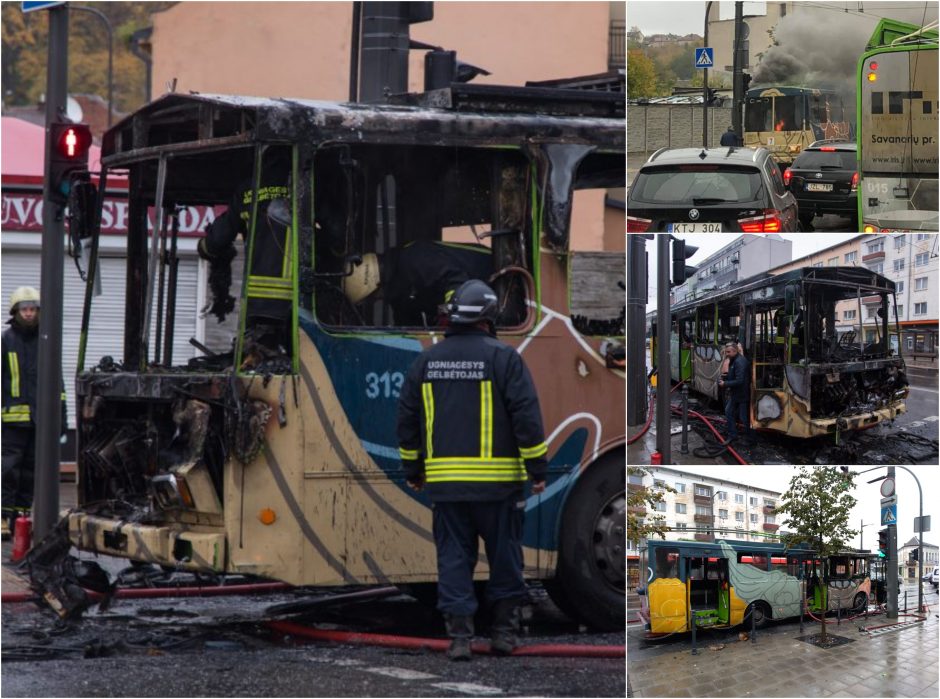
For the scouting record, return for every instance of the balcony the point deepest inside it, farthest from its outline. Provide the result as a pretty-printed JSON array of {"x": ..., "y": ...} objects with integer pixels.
[
  {"x": 703, "y": 499},
  {"x": 770, "y": 527},
  {"x": 705, "y": 519},
  {"x": 704, "y": 537},
  {"x": 769, "y": 509},
  {"x": 874, "y": 256},
  {"x": 871, "y": 299},
  {"x": 635, "y": 487}
]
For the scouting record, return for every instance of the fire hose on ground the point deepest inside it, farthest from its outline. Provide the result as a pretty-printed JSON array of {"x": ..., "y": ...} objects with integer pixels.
[
  {"x": 335, "y": 636},
  {"x": 649, "y": 415}
]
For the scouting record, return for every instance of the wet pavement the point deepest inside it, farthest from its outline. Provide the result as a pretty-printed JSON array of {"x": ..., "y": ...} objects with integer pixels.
[
  {"x": 910, "y": 439},
  {"x": 900, "y": 662}
]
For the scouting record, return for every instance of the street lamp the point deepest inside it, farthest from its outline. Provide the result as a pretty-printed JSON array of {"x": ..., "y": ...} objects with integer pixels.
[
  {"x": 100, "y": 15},
  {"x": 861, "y": 532}
]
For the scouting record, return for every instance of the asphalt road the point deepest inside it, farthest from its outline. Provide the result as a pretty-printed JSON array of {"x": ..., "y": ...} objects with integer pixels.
[{"x": 220, "y": 647}]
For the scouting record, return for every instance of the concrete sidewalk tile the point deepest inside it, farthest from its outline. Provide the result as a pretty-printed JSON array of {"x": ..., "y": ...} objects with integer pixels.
[{"x": 861, "y": 690}]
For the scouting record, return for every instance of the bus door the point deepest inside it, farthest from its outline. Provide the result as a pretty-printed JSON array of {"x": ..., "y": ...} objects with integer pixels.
[
  {"x": 767, "y": 342},
  {"x": 815, "y": 584},
  {"x": 667, "y": 593},
  {"x": 708, "y": 590}
]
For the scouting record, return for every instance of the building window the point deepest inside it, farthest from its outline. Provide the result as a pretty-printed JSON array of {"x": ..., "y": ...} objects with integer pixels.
[
  {"x": 921, "y": 259},
  {"x": 699, "y": 490},
  {"x": 680, "y": 508},
  {"x": 738, "y": 516},
  {"x": 898, "y": 265},
  {"x": 769, "y": 503},
  {"x": 738, "y": 498},
  {"x": 723, "y": 514},
  {"x": 681, "y": 525},
  {"x": 817, "y": 264},
  {"x": 659, "y": 485},
  {"x": 721, "y": 495},
  {"x": 910, "y": 342},
  {"x": 920, "y": 284},
  {"x": 848, "y": 315},
  {"x": 901, "y": 311},
  {"x": 899, "y": 287},
  {"x": 851, "y": 256},
  {"x": 922, "y": 236},
  {"x": 740, "y": 535},
  {"x": 753, "y": 501},
  {"x": 834, "y": 261},
  {"x": 900, "y": 241},
  {"x": 680, "y": 487},
  {"x": 876, "y": 267},
  {"x": 877, "y": 246},
  {"x": 753, "y": 519},
  {"x": 871, "y": 312},
  {"x": 702, "y": 510},
  {"x": 769, "y": 519},
  {"x": 920, "y": 309},
  {"x": 660, "y": 507}
]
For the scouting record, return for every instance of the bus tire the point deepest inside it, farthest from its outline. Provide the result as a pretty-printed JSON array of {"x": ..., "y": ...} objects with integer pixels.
[
  {"x": 590, "y": 580},
  {"x": 761, "y": 615},
  {"x": 860, "y": 603}
]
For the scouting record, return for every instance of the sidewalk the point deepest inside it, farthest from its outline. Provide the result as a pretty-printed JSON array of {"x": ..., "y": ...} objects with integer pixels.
[{"x": 900, "y": 663}]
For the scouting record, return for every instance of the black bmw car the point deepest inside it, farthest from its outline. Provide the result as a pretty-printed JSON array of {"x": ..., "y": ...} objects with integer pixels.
[{"x": 714, "y": 190}]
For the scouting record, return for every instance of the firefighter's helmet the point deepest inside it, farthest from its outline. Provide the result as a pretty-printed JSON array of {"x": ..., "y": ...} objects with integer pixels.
[
  {"x": 473, "y": 301},
  {"x": 364, "y": 278},
  {"x": 24, "y": 294}
]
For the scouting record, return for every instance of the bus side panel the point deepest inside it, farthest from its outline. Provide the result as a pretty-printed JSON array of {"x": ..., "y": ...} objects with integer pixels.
[
  {"x": 706, "y": 370},
  {"x": 668, "y": 601},
  {"x": 779, "y": 590},
  {"x": 738, "y": 606}
]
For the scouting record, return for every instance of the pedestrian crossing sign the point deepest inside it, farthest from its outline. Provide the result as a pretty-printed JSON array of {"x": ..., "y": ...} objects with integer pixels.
[
  {"x": 889, "y": 514},
  {"x": 705, "y": 57}
]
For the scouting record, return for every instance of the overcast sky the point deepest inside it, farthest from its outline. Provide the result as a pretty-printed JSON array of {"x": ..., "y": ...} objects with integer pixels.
[
  {"x": 708, "y": 243},
  {"x": 868, "y": 507},
  {"x": 682, "y": 17}
]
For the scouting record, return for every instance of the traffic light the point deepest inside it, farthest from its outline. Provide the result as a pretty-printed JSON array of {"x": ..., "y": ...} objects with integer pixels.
[
  {"x": 883, "y": 543},
  {"x": 680, "y": 253},
  {"x": 914, "y": 554},
  {"x": 70, "y": 146},
  {"x": 745, "y": 81}
]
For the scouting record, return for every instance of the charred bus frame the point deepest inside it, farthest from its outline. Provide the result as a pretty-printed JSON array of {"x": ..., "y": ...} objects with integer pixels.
[
  {"x": 280, "y": 459},
  {"x": 808, "y": 378}
]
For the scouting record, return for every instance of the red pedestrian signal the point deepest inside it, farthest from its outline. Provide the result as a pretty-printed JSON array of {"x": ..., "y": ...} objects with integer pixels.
[{"x": 71, "y": 144}]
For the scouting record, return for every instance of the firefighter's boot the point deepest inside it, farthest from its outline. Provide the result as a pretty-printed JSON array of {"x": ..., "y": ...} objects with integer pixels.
[
  {"x": 504, "y": 629},
  {"x": 460, "y": 630}
]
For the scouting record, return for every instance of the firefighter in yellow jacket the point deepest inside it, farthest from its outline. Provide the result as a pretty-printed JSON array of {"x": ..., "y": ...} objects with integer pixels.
[
  {"x": 20, "y": 378},
  {"x": 470, "y": 431}
]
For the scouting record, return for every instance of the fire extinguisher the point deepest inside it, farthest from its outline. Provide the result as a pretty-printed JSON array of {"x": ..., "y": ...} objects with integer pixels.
[{"x": 22, "y": 536}]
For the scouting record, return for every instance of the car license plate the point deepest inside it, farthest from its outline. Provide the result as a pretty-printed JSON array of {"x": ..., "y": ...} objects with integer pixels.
[
  {"x": 693, "y": 228},
  {"x": 818, "y": 187}
]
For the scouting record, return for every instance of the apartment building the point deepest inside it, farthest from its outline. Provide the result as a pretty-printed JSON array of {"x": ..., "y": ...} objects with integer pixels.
[
  {"x": 908, "y": 566},
  {"x": 910, "y": 261},
  {"x": 704, "y": 509}
]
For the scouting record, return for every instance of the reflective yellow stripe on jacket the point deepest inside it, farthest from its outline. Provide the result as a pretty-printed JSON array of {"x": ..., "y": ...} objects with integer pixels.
[
  {"x": 533, "y": 452},
  {"x": 14, "y": 360},
  {"x": 480, "y": 470},
  {"x": 486, "y": 419},
  {"x": 16, "y": 413},
  {"x": 427, "y": 393}
]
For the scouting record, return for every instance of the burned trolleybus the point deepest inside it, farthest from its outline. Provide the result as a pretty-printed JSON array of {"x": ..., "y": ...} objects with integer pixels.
[
  {"x": 819, "y": 342},
  {"x": 275, "y": 453}
]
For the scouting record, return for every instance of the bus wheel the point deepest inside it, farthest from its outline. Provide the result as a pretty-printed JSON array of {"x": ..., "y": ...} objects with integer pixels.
[
  {"x": 590, "y": 581},
  {"x": 861, "y": 601},
  {"x": 760, "y": 615}
]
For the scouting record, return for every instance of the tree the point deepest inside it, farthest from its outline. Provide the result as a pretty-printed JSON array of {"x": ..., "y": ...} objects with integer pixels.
[
  {"x": 641, "y": 75},
  {"x": 644, "y": 499},
  {"x": 817, "y": 504}
]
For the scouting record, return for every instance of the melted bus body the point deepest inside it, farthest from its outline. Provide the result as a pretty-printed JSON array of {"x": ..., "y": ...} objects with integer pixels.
[
  {"x": 897, "y": 130},
  {"x": 726, "y": 582},
  {"x": 279, "y": 458},
  {"x": 785, "y": 120},
  {"x": 810, "y": 374}
]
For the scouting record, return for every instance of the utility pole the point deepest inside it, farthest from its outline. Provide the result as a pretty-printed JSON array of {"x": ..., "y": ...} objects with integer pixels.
[
  {"x": 738, "y": 69},
  {"x": 637, "y": 297},
  {"x": 663, "y": 436},
  {"x": 708, "y": 9},
  {"x": 49, "y": 400},
  {"x": 892, "y": 563}
]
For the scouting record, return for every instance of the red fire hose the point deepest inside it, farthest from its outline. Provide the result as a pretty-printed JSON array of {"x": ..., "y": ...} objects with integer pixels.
[
  {"x": 649, "y": 415},
  {"x": 437, "y": 644},
  {"x": 704, "y": 419}
]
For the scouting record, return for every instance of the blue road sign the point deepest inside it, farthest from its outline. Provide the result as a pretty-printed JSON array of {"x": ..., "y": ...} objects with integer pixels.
[
  {"x": 705, "y": 57},
  {"x": 889, "y": 514},
  {"x": 40, "y": 5}
]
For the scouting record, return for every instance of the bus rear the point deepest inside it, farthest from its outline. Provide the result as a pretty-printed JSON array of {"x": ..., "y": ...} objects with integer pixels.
[{"x": 897, "y": 133}]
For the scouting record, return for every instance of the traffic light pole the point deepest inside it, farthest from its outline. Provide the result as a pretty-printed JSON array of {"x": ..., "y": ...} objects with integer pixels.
[
  {"x": 663, "y": 436},
  {"x": 637, "y": 295},
  {"x": 892, "y": 564},
  {"x": 48, "y": 416}
]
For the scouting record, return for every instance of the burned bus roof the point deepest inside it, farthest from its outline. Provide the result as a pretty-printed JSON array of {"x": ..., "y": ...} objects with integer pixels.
[
  {"x": 203, "y": 121},
  {"x": 773, "y": 285}
]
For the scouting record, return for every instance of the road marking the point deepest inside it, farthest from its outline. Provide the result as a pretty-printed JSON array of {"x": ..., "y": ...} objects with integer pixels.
[
  {"x": 400, "y": 673},
  {"x": 468, "y": 688},
  {"x": 932, "y": 418},
  {"x": 918, "y": 388},
  {"x": 916, "y": 423}
]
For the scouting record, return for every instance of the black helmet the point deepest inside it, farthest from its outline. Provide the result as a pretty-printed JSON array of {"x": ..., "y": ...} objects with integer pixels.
[{"x": 473, "y": 301}]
